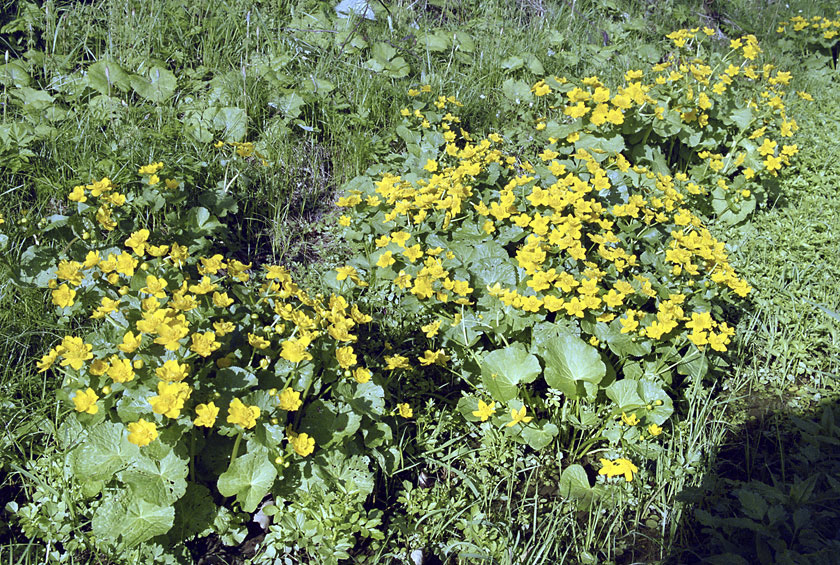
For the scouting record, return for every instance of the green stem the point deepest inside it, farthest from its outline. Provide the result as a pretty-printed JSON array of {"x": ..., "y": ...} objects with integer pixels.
[
  {"x": 192, "y": 456},
  {"x": 236, "y": 447}
]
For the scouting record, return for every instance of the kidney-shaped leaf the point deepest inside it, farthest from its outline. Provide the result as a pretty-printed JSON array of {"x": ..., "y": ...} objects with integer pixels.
[
  {"x": 624, "y": 394},
  {"x": 569, "y": 359},
  {"x": 249, "y": 478},
  {"x": 158, "y": 87},
  {"x": 503, "y": 369}
]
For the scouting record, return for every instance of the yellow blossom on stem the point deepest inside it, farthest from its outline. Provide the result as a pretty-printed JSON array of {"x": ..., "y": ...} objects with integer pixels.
[
  {"x": 485, "y": 410},
  {"x": 142, "y": 433},
  {"x": 302, "y": 444},
  {"x": 243, "y": 415},
  {"x": 617, "y": 468},
  {"x": 85, "y": 401},
  {"x": 206, "y": 415},
  {"x": 289, "y": 400}
]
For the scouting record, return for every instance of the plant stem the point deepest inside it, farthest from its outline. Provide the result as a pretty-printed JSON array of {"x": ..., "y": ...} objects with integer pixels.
[{"x": 235, "y": 447}]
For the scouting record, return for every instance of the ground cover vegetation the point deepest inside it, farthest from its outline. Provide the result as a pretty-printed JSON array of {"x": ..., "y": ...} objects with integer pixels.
[{"x": 419, "y": 282}]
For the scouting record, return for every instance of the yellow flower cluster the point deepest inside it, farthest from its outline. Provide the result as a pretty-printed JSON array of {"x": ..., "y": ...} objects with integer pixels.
[
  {"x": 565, "y": 219},
  {"x": 819, "y": 26}
]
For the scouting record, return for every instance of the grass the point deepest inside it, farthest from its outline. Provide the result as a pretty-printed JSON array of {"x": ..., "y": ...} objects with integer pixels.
[{"x": 784, "y": 368}]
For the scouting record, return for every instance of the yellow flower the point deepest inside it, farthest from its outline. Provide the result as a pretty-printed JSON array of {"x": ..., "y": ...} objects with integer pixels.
[
  {"x": 172, "y": 371},
  {"x": 294, "y": 350},
  {"x": 170, "y": 399},
  {"x": 207, "y": 414},
  {"x": 85, "y": 401},
  {"x": 654, "y": 430},
  {"x": 258, "y": 342},
  {"x": 130, "y": 342},
  {"x": 242, "y": 415},
  {"x": 141, "y": 432},
  {"x": 405, "y": 410},
  {"x": 518, "y": 416},
  {"x": 150, "y": 169},
  {"x": 385, "y": 260},
  {"x": 120, "y": 370},
  {"x": 361, "y": 375},
  {"x": 484, "y": 410},
  {"x": 302, "y": 444},
  {"x": 75, "y": 352},
  {"x": 433, "y": 358},
  {"x": 617, "y": 468},
  {"x": 155, "y": 286},
  {"x": 221, "y": 300},
  {"x": 138, "y": 241},
  {"x": 345, "y": 356},
  {"x": 63, "y": 296},
  {"x": 204, "y": 344},
  {"x": 396, "y": 362},
  {"x": 289, "y": 400},
  {"x": 630, "y": 420},
  {"x": 431, "y": 329}
]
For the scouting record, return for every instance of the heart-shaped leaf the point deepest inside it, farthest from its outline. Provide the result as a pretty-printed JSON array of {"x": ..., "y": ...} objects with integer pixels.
[
  {"x": 503, "y": 369},
  {"x": 249, "y": 478},
  {"x": 570, "y": 361},
  {"x": 159, "y": 85},
  {"x": 624, "y": 394},
  {"x": 541, "y": 436}
]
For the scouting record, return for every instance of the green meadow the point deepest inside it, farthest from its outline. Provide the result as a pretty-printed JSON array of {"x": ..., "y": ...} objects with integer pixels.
[{"x": 432, "y": 281}]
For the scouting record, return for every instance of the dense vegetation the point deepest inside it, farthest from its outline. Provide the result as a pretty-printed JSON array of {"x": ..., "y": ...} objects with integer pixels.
[{"x": 419, "y": 282}]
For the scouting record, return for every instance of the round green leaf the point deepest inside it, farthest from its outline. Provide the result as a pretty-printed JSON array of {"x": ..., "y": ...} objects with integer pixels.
[
  {"x": 624, "y": 394},
  {"x": 502, "y": 371},
  {"x": 540, "y": 437},
  {"x": 159, "y": 86},
  {"x": 570, "y": 359},
  {"x": 249, "y": 478},
  {"x": 661, "y": 404},
  {"x": 574, "y": 483}
]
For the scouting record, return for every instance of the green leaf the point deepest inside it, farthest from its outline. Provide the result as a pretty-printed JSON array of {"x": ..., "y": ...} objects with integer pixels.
[
  {"x": 466, "y": 406},
  {"x": 436, "y": 42},
  {"x": 32, "y": 99},
  {"x": 574, "y": 483},
  {"x": 512, "y": 63},
  {"x": 144, "y": 520},
  {"x": 661, "y": 404},
  {"x": 397, "y": 68},
  {"x": 103, "y": 76},
  {"x": 249, "y": 478},
  {"x": 534, "y": 64},
  {"x": 14, "y": 73},
  {"x": 624, "y": 394},
  {"x": 517, "y": 91},
  {"x": 383, "y": 52},
  {"x": 369, "y": 399},
  {"x": 540, "y": 437},
  {"x": 328, "y": 423},
  {"x": 622, "y": 344},
  {"x": 194, "y": 513},
  {"x": 491, "y": 270},
  {"x": 464, "y": 42},
  {"x": 159, "y": 482},
  {"x": 742, "y": 118},
  {"x": 103, "y": 452},
  {"x": 569, "y": 361},
  {"x": 231, "y": 122},
  {"x": 159, "y": 85},
  {"x": 503, "y": 369},
  {"x": 291, "y": 105}
]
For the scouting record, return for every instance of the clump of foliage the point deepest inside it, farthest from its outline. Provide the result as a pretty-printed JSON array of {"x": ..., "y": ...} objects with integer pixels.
[{"x": 560, "y": 277}]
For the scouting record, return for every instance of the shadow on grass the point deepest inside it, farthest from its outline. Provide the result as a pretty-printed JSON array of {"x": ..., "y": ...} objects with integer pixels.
[{"x": 773, "y": 495}]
